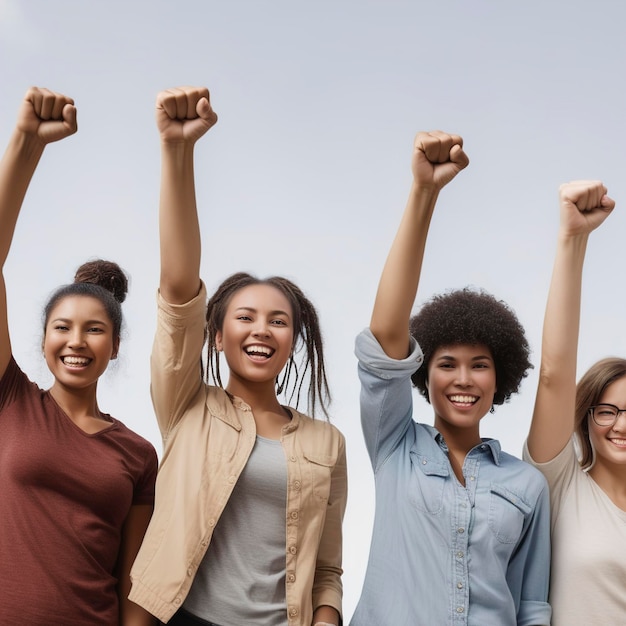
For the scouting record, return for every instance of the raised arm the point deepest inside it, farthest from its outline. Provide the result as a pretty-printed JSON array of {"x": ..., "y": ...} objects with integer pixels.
[
  {"x": 584, "y": 205},
  {"x": 437, "y": 158},
  {"x": 183, "y": 115},
  {"x": 43, "y": 117}
]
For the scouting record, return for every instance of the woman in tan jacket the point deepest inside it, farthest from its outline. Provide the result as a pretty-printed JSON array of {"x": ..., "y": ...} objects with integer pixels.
[{"x": 250, "y": 493}]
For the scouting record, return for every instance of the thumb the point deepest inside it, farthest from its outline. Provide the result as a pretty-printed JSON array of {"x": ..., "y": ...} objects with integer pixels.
[
  {"x": 458, "y": 156},
  {"x": 608, "y": 204},
  {"x": 69, "y": 117},
  {"x": 204, "y": 110}
]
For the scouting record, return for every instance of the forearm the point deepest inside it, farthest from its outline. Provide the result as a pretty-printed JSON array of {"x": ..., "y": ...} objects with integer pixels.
[
  {"x": 553, "y": 417},
  {"x": 16, "y": 171},
  {"x": 178, "y": 224},
  {"x": 400, "y": 277},
  {"x": 326, "y": 615}
]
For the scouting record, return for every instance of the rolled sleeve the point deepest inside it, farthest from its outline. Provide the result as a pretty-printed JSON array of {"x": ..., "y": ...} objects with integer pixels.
[
  {"x": 386, "y": 396},
  {"x": 175, "y": 364}
]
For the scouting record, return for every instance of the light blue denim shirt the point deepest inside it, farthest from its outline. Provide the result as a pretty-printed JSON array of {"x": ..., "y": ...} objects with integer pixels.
[{"x": 443, "y": 553}]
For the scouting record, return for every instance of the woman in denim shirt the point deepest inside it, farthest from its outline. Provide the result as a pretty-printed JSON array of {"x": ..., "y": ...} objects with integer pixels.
[{"x": 461, "y": 532}]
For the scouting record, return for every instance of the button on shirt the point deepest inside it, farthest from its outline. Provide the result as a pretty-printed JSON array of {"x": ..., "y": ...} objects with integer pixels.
[{"x": 443, "y": 552}]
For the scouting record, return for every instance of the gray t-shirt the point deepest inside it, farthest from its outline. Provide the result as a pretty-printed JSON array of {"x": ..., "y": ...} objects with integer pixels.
[{"x": 241, "y": 580}]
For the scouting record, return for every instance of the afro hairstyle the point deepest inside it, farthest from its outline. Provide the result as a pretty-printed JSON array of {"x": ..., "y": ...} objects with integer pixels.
[{"x": 472, "y": 317}]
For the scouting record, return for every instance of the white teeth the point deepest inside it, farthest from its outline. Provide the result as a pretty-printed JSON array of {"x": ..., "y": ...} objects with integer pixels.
[
  {"x": 75, "y": 360},
  {"x": 463, "y": 399},
  {"x": 259, "y": 350}
]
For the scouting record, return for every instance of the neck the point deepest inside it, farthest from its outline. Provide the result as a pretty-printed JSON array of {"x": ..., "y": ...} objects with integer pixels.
[
  {"x": 77, "y": 403},
  {"x": 459, "y": 440},
  {"x": 259, "y": 396}
]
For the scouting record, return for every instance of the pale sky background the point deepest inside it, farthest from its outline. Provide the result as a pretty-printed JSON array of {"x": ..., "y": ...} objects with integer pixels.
[{"x": 307, "y": 171}]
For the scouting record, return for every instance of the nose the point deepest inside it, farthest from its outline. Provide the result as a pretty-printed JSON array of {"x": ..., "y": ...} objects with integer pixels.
[
  {"x": 76, "y": 339},
  {"x": 620, "y": 423},
  {"x": 463, "y": 378},
  {"x": 261, "y": 329}
]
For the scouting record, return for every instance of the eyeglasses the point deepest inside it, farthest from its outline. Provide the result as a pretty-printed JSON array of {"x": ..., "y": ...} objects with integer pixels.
[{"x": 605, "y": 414}]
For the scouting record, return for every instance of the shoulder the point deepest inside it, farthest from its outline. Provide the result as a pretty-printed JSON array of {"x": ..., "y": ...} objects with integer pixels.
[
  {"x": 132, "y": 440},
  {"x": 522, "y": 473},
  {"x": 318, "y": 437}
]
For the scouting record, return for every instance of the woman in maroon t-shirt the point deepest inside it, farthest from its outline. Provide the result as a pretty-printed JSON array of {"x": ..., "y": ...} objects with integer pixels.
[{"x": 77, "y": 485}]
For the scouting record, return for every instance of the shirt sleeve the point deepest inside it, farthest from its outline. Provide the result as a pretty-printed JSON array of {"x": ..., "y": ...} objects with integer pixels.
[
  {"x": 386, "y": 395},
  {"x": 327, "y": 586},
  {"x": 531, "y": 564},
  {"x": 144, "y": 489},
  {"x": 175, "y": 364}
]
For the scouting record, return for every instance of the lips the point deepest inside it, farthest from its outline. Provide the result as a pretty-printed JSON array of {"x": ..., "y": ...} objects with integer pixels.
[
  {"x": 259, "y": 351},
  {"x": 75, "y": 361},
  {"x": 463, "y": 399}
]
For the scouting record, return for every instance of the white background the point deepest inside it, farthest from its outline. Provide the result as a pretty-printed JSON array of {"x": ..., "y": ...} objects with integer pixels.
[{"x": 307, "y": 171}]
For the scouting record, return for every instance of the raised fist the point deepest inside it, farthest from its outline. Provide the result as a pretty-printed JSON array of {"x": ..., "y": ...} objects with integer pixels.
[
  {"x": 47, "y": 115},
  {"x": 184, "y": 114}
]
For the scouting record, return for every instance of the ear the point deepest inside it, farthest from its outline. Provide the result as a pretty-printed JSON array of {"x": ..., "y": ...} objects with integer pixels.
[
  {"x": 218, "y": 341},
  {"x": 116, "y": 349}
]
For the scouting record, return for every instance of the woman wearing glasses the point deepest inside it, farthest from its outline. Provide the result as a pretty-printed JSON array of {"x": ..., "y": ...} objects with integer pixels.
[{"x": 587, "y": 485}]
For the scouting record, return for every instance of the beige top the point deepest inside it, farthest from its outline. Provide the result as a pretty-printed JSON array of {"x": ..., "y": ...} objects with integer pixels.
[
  {"x": 588, "y": 579},
  {"x": 207, "y": 441}
]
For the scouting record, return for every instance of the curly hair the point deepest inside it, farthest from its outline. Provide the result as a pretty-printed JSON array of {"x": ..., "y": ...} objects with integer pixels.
[
  {"x": 307, "y": 336},
  {"x": 589, "y": 390},
  {"x": 472, "y": 317},
  {"x": 103, "y": 280}
]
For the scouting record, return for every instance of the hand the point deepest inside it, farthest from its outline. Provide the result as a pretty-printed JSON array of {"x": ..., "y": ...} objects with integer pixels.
[
  {"x": 47, "y": 115},
  {"x": 184, "y": 114},
  {"x": 584, "y": 206},
  {"x": 438, "y": 157}
]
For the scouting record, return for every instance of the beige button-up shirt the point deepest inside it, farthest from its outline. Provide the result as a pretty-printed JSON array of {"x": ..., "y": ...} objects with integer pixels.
[{"x": 207, "y": 441}]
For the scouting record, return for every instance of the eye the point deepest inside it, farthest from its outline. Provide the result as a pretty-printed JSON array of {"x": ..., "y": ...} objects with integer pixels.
[
  {"x": 95, "y": 330},
  {"x": 278, "y": 322},
  {"x": 606, "y": 410},
  {"x": 244, "y": 318},
  {"x": 60, "y": 327},
  {"x": 481, "y": 366}
]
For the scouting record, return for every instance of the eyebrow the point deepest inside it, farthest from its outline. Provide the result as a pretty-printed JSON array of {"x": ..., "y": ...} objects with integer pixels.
[
  {"x": 449, "y": 357},
  {"x": 253, "y": 310},
  {"x": 66, "y": 320}
]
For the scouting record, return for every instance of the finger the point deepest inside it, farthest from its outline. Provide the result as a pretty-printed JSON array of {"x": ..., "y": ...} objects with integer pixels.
[
  {"x": 166, "y": 101},
  {"x": 59, "y": 105},
  {"x": 47, "y": 104},
  {"x": 35, "y": 97}
]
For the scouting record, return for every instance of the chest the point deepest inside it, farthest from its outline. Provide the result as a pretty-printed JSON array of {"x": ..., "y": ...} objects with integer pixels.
[{"x": 46, "y": 458}]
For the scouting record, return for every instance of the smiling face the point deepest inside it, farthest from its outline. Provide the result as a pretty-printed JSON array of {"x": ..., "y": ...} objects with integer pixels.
[
  {"x": 79, "y": 341},
  {"x": 609, "y": 442},
  {"x": 256, "y": 336},
  {"x": 461, "y": 386}
]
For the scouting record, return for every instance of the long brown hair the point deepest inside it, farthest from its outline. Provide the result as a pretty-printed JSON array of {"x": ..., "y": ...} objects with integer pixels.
[
  {"x": 588, "y": 393},
  {"x": 307, "y": 336}
]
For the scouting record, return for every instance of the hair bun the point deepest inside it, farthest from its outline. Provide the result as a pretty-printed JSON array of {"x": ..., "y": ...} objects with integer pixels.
[{"x": 106, "y": 274}]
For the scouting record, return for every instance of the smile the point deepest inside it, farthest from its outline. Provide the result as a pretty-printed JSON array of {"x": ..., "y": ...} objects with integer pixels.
[
  {"x": 75, "y": 361},
  {"x": 463, "y": 399},
  {"x": 259, "y": 351}
]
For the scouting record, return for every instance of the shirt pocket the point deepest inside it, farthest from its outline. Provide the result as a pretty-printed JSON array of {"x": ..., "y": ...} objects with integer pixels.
[
  {"x": 427, "y": 483},
  {"x": 319, "y": 468},
  {"x": 507, "y": 512}
]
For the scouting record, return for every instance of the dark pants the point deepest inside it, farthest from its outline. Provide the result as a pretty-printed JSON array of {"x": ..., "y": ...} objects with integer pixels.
[{"x": 184, "y": 618}]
